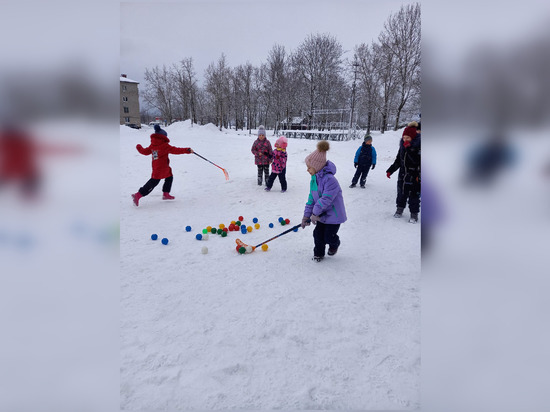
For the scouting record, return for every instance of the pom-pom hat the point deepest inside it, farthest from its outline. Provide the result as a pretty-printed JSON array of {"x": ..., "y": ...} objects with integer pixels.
[
  {"x": 261, "y": 131},
  {"x": 318, "y": 159},
  {"x": 410, "y": 131}
]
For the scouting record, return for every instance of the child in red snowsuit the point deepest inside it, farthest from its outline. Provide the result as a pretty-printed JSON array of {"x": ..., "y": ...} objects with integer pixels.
[{"x": 159, "y": 149}]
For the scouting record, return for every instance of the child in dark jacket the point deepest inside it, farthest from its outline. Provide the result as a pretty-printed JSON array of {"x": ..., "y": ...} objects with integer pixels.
[
  {"x": 278, "y": 167},
  {"x": 263, "y": 154},
  {"x": 325, "y": 205},
  {"x": 408, "y": 163},
  {"x": 365, "y": 158},
  {"x": 159, "y": 149}
]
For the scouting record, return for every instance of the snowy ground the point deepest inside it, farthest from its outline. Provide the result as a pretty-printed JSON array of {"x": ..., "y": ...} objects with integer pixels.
[{"x": 266, "y": 330}]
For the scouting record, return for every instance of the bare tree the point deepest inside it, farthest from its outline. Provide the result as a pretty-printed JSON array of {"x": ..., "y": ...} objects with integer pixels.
[
  {"x": 369, "y": 82},
  {"x": 218, "y": 78},
  {"x": 159, "y": 91},
  {"x": 318, "y": 60},
  {"x": 401, "y": 39}
]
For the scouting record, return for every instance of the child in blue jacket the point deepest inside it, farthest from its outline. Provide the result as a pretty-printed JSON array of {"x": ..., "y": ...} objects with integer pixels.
[{"x": 365, "y": 158}]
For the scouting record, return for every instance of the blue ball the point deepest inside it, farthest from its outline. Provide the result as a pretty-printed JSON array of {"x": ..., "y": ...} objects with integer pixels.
[
  {"x": 164, "y": 241},
  {"x": 154, "y": 236},
  {"x": 188, "y": 228},
  {"x": 244, "y": 231},
  {"x": 281, "y": 219},
  {"x": 295, "y": 230},
  {"x": 198, "y": 237},
  {"x": 255, "y": 220},
  {"x": 271, "y": 225}
]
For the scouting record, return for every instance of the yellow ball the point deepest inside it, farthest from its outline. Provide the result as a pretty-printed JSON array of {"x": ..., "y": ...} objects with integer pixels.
[
  {"x": 209, "y": 228},
  {"x": 249, "y": 228},
  {"x": 232, "y": 222},
  {"x": 221, "y": 226},
  {"x": 257, "y": 226},
  {"x": 264, "y": 247}
]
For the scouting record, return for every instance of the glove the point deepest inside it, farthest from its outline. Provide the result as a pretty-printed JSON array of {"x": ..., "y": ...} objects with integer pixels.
[
  {"x": 373, "y": 167},
  {"x": 315, "y": 219},
  {"x": 305, "y": 222},
  {"x": 388, "y": 174},
  {"x": 355, "y": 164}
]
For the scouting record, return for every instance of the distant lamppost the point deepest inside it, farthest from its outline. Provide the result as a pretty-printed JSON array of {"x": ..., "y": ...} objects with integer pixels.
[{"x": 355, "y": 66}]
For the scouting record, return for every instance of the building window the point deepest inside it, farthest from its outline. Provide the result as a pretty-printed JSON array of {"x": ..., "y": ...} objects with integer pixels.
[
  {"x": 126, "y": 110},
  {"x": 123, "y": 88},
  {"x": 127, "y": 119},
  {"x": 124, "y": 99}
]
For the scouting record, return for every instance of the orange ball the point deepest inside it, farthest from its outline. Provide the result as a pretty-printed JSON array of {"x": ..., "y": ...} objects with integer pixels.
[
  {"x": 264, "y": 247},
  {"x": 257, "y": 226},
  {"x": 249, "y": 229}
]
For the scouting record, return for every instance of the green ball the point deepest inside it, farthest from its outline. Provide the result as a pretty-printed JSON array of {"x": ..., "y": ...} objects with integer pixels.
[
  {"x": 242, "y": 250},
  {"x": 224, "y": 233},
  {"x": 220, "y": 231},
  {"x": 205, "y": 231},
  {"x": 238, "y": 222},
  {"x": 283, "y": 223},
  {"x": 213, "y": 230}
]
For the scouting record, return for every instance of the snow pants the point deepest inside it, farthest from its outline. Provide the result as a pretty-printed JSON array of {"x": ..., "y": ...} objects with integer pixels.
[
  {"x": 408, "y": 191},
  {"x": 325, "y": 234},
  {"x": 361, "y": 174},
  {"x": 263, "y": 170},
  {"x": 152, "y": 183},
  {"x": 273, "y": 176}
]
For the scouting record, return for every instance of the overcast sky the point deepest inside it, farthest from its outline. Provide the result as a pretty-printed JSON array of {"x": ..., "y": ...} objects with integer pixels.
[{"x": 154, "y": 34}]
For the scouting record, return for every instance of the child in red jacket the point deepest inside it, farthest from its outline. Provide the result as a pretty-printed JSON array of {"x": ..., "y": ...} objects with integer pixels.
[{"x": 160, "y": 149}]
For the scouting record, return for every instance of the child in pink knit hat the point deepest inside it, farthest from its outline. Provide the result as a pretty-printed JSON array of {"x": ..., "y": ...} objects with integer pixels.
[
  {"x": 278, "y": 167},
  {"x": 325, "y": 205}
]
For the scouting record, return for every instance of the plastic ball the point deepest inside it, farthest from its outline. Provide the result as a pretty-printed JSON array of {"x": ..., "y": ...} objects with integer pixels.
[
  {"x": 255, "y": 220},
  {"x": 264, "y": 247},
  {"x": 231, "y": 227},
  {"x": 198, "y": 237},
  {"x": 224, "y": 234},
  {"x": 281, "y": 219},
  {"x": 154, "y": 236},
  {"x": 221, "y": 226},
  {"x": 205, "y": 231},
  {"x": 257, "y": 226},
  {"x": 205, "y": 237},
  {"x": 208, "y": 228},
  {"x": 237, "y": 248},
  {"x": 242, "y": 250},
  {"x": 244, "y": 231},
  {"x": 271, "y": 225},
  {"x": 283, "y": 222},
  {"x": 219, "y": 231},
  {"x": 225, "y": 229},
  {"x": 287, "y": 221},
  {"x": 249, "y": 228},
  {"x": 233, "y": 222},
  {"x": 188, "y": 228},
  {"x": 213, "y": 230},
  {"x": 249, "y": 249},
  {"x": 295, "y": 230},
  {"x": 204, "y": 250},
  {"x": 241, "y": 218},
  {"x": 238, "y": 223},
  {"x": 164, "y": 241}
]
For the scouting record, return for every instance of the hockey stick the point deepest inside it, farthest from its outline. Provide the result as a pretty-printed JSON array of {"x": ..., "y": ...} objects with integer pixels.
[
  {"x": 224, "y": 171},
  {"x": 242, "y": 244}
]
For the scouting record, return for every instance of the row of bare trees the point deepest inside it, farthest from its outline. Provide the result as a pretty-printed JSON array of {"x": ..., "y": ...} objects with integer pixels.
[{"x": 382, "y": 80}]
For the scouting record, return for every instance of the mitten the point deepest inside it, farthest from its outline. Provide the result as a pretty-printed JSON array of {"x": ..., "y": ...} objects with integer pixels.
[
  {"x": 388, "y": 174},
  {"x": 305, "y": 222},
  {"x": 315, "y": 219},
  {"x": 355, "y": 164},
  {"x": 373, "y": 167}
]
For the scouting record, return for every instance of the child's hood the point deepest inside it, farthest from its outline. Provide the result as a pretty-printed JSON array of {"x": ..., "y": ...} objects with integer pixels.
[
  {"x": 158, "y": 139},
  {"x": 330, "y": 168}
]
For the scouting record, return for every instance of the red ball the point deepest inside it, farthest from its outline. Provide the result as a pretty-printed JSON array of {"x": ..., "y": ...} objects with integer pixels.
[
  {"x": 241, "y": 218},
  {"x": 237, "y": 248},
  {"x": 287, "y": 221},
  {"x": 225, "y": 229}
]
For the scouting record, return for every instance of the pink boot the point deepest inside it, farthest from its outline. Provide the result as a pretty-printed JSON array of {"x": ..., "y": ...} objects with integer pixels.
[
  {"x": 167, "y": 196},
  {"x": 136, "y": 197}
]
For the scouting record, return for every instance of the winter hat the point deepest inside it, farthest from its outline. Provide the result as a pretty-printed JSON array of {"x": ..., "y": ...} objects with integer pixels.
[
  {"x": 368, "y": 137},
  {"x": 413, "y": 124},
  {"x": 261, "y": 130},
  {"x": 157, "y": 128},
  {"x": 281, "y": 142},
  {"x": 410, "y": 131},
  {"x": 318, "y": 159}
]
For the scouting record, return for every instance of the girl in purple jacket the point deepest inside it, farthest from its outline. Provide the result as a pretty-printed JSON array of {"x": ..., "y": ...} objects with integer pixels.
[
  {"x": 325, "y": 205},
  {"x": 278, "y": 167}
]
